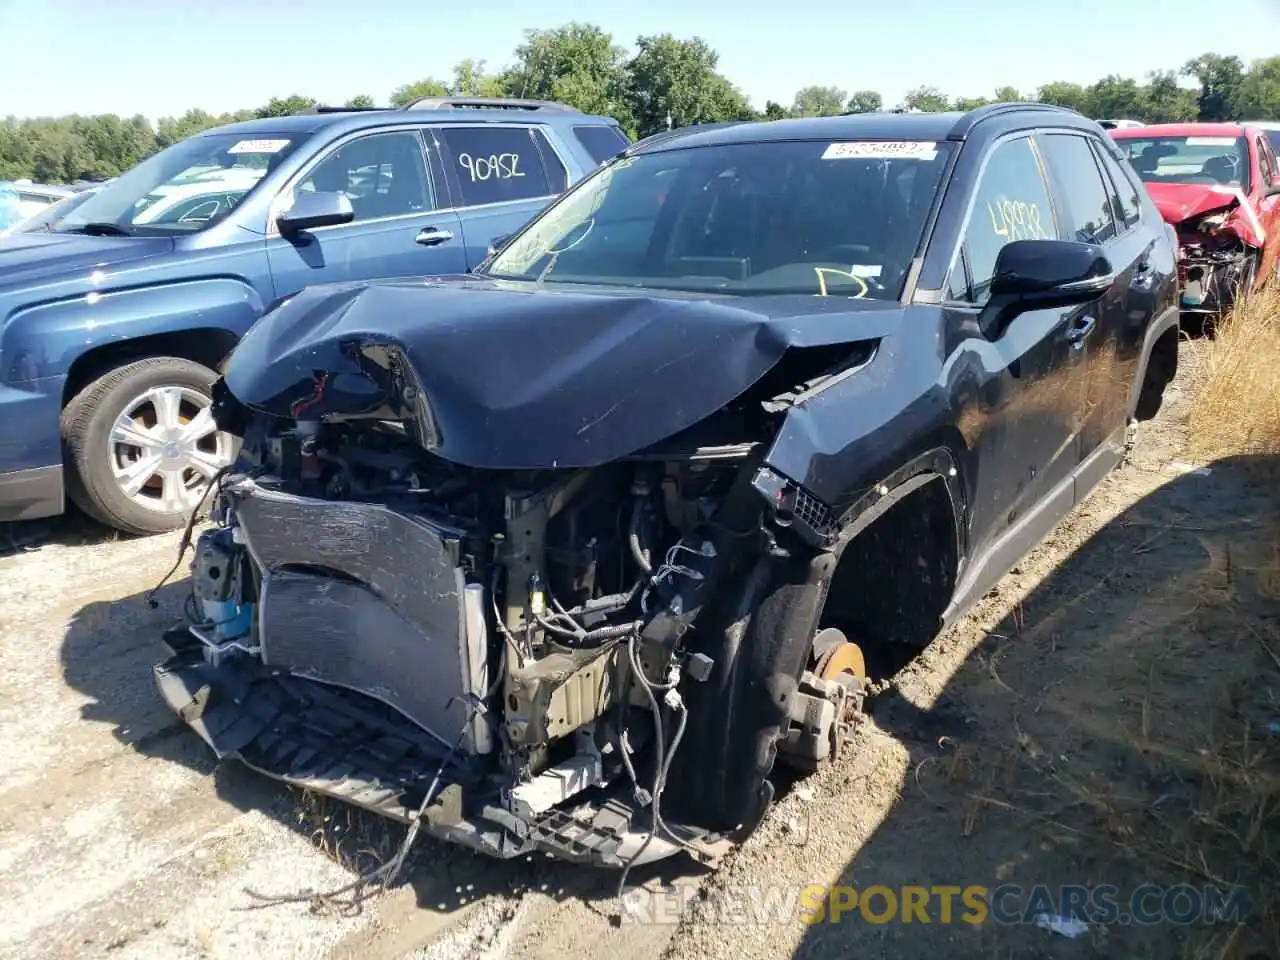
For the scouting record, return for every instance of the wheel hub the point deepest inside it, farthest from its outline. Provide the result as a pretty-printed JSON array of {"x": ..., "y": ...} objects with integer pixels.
[
  {"x": 165, "y": 449},
  {"x": 828, "y": 702}
]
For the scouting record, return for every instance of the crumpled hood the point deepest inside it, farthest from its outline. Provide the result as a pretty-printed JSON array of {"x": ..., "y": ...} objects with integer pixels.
[
  {"x": 511, "y": 375},
  {"x": 1182, "y": 201},
  {"x": 27, "y": 258}
]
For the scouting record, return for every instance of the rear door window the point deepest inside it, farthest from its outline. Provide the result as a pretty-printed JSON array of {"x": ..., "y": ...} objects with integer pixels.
[
  {"x": 502, "y": 164},
  {"x": 602, "y": 141},
  {"x": 1085, "y": 202}
]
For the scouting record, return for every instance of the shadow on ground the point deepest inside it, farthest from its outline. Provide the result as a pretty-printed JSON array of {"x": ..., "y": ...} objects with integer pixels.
[
  {"x": 71, "y": 529},
  {"x": 1111, "y": 730},
  {"x": 108, "y": 654}
]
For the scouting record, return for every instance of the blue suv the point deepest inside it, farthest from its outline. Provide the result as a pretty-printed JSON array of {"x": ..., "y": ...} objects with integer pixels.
[{"x": 114, "y": 320}]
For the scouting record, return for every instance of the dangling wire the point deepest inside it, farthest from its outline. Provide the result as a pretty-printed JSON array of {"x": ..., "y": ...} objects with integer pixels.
[
  {"x": 670, "y": 567},
  {"x": 362, "y": 888}
]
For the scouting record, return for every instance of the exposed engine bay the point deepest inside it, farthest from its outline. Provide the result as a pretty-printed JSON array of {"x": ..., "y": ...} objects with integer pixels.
[
  {"x": 505, "y": 656},
  {"x": 1218, "y": 254}
]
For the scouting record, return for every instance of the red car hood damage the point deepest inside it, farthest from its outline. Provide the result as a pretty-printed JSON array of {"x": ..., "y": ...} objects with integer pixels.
[{"x": 1179, "y": 202}]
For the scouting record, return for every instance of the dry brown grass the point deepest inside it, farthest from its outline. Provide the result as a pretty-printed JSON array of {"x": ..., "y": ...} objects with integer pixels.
[
  {"x": 1237, "y": 409},
  {"x": 1235, "y": 826}
]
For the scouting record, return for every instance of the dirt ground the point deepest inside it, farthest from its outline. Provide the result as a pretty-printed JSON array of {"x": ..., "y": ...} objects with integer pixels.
[{"x": 1102, "y": 718}]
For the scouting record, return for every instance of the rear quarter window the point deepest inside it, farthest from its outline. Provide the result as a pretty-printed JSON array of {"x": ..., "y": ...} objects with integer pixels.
[
  {"x": 603, "y": 142},
  {"x": 502, "y": 164},
  {"x": 1126, "y": 197}
]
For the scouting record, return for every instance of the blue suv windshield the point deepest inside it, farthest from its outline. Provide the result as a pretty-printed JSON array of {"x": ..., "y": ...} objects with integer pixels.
[
  {"x": 184, "y": 188},
  {"x": 810, "y": 217}
]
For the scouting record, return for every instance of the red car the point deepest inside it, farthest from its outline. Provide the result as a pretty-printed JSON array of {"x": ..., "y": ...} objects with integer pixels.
[{"x": 1218, "y": 185}]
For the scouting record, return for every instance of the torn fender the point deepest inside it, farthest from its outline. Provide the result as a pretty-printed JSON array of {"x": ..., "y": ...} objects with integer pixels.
[{"x": 514, "y": 375}]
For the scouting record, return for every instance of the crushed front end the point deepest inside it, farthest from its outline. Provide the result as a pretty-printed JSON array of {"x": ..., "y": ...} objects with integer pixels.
[
  {"x": 1215, "y": 267},
  {"x": 551, "y": 598},
  {"x": 498, "y": 653},
  {"x": 1219, "y": 242}
]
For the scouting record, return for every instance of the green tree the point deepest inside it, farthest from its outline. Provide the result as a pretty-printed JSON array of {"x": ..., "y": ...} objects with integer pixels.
[
  {"x": 471, "y": 80},
  {"x": 1220, "y": 80},
  {"x": 669, "y": 76},
  {"x": 865, "y": 101},
  {"x": 818, "y": 102},
  {"x": 17, "y": 149},
  {"x": 404, "y": 95},
  {"x": 1259, "y": 94},
  {"x": 927, "y": 99},
  {"x": 361, "y": 102},
  {"x": 170, "y": 130},
  {"x": 114, "y": 144},
  {"x": 286, "y": 106},
  {"x": 578, "y": 64},
  {"x": 1069, "y": 95},
  {"x": 1118, "y": 97},
  {"x": 1008, "y": 95},
  {"x": 1167, "y": 101}
]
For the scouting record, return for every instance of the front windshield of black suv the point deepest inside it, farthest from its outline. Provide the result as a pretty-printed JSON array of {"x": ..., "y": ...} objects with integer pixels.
[
  {"x": 809, "y": 217},
  {"x": 183, "y": 188}
]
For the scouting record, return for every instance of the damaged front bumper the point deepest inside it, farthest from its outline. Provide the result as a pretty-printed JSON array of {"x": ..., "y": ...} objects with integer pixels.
[
  {"x": 325, "y": 740},
  {"x": 1213, "y": 281},
  {"x": 339, "y": 648}
]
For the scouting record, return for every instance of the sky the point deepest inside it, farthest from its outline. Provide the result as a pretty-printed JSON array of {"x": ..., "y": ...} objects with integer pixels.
[{"x": 162, "y": 57}]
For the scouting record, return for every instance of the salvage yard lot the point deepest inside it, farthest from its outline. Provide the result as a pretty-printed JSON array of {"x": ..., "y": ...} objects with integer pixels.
[{"x": 1096, "y": 720}]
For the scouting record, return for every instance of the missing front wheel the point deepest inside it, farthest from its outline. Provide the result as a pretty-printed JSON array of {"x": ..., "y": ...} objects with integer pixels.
[{"x": 828, "y": 703}]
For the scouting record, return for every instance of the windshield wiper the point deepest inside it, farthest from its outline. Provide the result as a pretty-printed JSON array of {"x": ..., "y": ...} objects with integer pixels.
[{"x": 100, "y": 228}]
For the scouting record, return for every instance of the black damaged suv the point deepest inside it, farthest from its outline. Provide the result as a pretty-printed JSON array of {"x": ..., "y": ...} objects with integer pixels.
[{"x": 564, "y": 554}]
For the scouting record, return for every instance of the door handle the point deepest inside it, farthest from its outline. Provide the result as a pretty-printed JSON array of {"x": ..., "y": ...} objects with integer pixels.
[
  {"x": 1081, "y": 327},
  {"x": 430, "y": 236}
]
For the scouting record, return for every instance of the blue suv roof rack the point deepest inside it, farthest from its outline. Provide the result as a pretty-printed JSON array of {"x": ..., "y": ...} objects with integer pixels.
[
  {"x": 345, "y": 109},
  {"x": 489, "y": 103}
]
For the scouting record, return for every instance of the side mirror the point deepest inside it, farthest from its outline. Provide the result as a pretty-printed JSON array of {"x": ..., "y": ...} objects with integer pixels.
[
  {"x": 315, "y": 209},
  {"x": 1042, "y": 275}
]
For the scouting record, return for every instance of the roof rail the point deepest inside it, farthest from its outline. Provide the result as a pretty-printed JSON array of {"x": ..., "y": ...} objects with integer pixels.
[
  {"x": 987, "y": 111},
  {"x": 489, "y": 103},
  {"x": 319, "y": 109},
  {"x": 664, "y": 135}
]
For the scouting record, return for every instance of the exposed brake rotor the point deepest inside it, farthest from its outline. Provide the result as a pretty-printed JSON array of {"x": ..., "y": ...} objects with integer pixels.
[
  {"x": 828, "y": 701},
  {"x": 836, "y": 656}
]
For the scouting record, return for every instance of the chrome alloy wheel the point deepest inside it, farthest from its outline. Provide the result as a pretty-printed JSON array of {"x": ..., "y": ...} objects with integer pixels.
[{"x": 164, "y": 449}]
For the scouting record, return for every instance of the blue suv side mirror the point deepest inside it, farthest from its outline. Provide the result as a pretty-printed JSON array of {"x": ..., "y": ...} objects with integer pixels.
[{"x": 315, "y": 209}]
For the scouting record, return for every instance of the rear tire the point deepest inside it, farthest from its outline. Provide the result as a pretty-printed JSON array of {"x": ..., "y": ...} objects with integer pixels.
[{"x": 140, "y": 447}]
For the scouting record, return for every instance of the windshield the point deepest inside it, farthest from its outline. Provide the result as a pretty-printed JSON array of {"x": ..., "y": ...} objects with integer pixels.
[
  {"x": 839, "y": 219},
  {"x": 1208, "y": 160},
  {"x": 184, "y": 188},
  {"x": 1274, "y": 137},
  {"x": 52, "y": 215}
]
